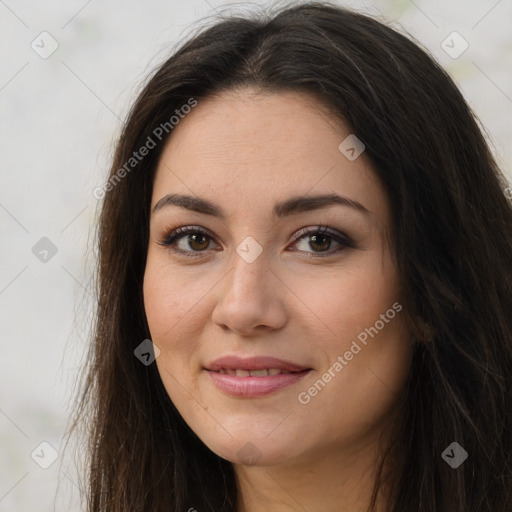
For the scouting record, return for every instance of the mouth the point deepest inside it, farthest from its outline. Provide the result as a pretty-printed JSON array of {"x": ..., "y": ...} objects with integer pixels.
[{"x": 256, "y": 376}]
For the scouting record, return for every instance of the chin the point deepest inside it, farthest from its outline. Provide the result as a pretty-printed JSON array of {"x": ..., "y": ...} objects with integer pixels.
[{"x": 247, "y": 452}]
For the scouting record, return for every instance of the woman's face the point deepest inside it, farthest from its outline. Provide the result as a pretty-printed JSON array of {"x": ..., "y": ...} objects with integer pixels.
[{"x": 253, "y": 287}]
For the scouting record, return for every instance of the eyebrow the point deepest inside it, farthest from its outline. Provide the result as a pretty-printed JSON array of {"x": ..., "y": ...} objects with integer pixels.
[{"x": 294, "y": 205}]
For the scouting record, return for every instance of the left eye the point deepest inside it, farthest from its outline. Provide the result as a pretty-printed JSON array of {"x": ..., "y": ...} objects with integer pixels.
[
  {"x": 321, "y": 239},
  {"x": 198, "y": 240}
]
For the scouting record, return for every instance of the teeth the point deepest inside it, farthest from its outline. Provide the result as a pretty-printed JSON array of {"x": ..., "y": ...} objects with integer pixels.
[
  {"x": 227, "y": 371},
  {"x": 253, "y": 373},
  {"x": 258, "y": 373}
]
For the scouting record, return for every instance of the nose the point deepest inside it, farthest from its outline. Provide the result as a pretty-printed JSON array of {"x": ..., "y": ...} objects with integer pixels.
[{"x": 250, "y": 298}]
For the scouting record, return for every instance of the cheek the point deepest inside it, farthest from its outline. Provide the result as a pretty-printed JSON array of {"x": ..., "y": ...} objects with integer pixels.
[
  {"x": 171, "y": 305},
  {"x": 362, "y": 379},
  {"x": 349, "y": 300},
  {"x": 367, "y": 350},
  {"x": 172, "y": 298},
  {"x": 169, "y": 312}
]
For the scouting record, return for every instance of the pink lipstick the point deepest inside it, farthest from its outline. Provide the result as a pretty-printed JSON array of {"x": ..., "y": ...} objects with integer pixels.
[{"x": 254, "y": 376}]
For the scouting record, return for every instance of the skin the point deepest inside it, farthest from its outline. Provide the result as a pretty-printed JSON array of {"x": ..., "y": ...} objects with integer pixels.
[{"x": 245, "y": 151}]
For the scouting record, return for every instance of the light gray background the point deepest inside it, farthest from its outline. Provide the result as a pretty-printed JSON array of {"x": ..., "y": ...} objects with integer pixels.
[{"x": 59, "y": 117}]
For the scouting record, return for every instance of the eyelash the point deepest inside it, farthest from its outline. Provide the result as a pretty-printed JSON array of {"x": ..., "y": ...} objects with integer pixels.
[{"x": 172, "y": 236}]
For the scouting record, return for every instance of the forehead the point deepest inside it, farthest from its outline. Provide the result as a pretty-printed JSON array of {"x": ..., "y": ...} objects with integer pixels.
[
  {"x": 257, "y": 148},
  {"x": 245, "y": 124}
]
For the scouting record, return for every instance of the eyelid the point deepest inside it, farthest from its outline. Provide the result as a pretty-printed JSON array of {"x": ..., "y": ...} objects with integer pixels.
[{"x": 323, "y": 230}]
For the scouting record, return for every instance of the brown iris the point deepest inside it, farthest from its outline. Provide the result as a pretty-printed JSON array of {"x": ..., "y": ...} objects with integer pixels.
[
  {"x": 315, "y": 238},
  {"x": 200, "y": 239}
]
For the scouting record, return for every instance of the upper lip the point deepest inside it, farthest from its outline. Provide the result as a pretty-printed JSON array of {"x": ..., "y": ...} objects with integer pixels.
[{"x": 253, "y": 363}]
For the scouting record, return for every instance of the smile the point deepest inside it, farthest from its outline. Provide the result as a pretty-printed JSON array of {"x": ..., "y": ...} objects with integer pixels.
[{"x": 253, "y": 377}]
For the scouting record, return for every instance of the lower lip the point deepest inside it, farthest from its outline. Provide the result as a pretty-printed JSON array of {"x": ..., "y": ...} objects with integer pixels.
[{"x": 254, "y": 386}]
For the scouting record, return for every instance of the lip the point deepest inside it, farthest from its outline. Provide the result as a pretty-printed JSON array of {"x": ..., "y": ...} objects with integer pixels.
[{"x": 247, "y": 387}]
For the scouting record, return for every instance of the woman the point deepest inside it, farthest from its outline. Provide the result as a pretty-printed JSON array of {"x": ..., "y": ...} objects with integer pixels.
[{"x": 304, "y": 282}]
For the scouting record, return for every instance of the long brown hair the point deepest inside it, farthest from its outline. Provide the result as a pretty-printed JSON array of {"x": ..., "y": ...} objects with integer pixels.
[{"x": 453, "y": 230}]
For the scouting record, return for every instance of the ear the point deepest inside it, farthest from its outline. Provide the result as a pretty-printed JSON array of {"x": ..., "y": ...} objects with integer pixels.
[{"x": 423, "y": 331}]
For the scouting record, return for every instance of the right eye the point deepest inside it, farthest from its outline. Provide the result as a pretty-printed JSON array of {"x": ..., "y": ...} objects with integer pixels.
[{"x": 198, "y": 240}]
